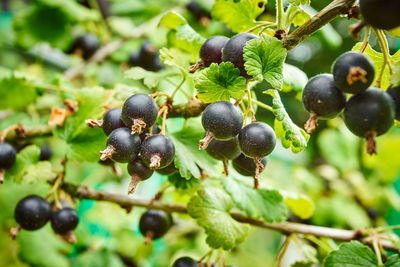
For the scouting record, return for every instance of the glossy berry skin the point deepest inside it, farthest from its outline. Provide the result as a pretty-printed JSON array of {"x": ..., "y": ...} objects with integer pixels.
[
  {"x": 222, "y": 119},
  {"x": 138, "y": 169},
  {"x": 45, "y": 153},
  {"x": 134, "y": 59},
  {"x": 372, "y": 110},
  {"x": 125, "y": 145},
  {"x": 64, "y": 220},
  {"x": 87, "y": 43},
  {"x": 32, "y": 212},
  {"x": 148, "y": 57},
  {"x": 112, "y": 120},
  {"x": 158, "y": 146},
  {"x": 7, "y": 156},
  {"x": 170, "y": 169},
  {"x": 185, "y": 262},
  {"x": 196, "y": 10},
  {"x": 155, "y": 223},
  {"x": 353, "y": 72},
  {"x": 257, "y": 139},
  {"x": 233, "y": 50},
  {"x": 223, "y": 150},
  {"x": 381, "y": 14},
  {"x": 246, "y": 166},
  {"x": 211, "y": 50},
  {"x": 394, "y": 92},
  {"x": 322, "y": 97},
  {"x": 139, "y": 106}
]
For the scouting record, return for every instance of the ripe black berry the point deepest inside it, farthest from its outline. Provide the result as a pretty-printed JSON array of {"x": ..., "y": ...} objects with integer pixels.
[
  {"x": 45, "y": 153},
  {"x": 197, "y": 11},
  {"x": 139, "y": 172},
  {"x": 157, "y": 151},
  {"x": 64, "y": 220},
  {"x": 87, "y": 44},
  {"x": 221, "y": 120},
  {"x": 369, "y": 114},
  {"x": 394, "y": 92},
  {"x": 224, "y": 150},
  {"x": 154, "y": 224},
  {"x": 353, "y": 72},
  {"x": 185, "y": 262},
  {"x": 246, "y": 166},
  {"x": 134, "y": 59},
  {"x": 257, "y": 140},
  {"x": 7, "y": 156},
  {"x": 381, "y": 14},
  {"x": 233, "y": 50},
  {"x": 170, "y": 169},
  {"x": 112, "y": 120},
  {"x": 121, "y": 146},
  {"x": 211, "y": 51},
  {"x": 139, "y": 112},
  {"x": 32, "y": 212},
  {"x": 322, "y": 99}
]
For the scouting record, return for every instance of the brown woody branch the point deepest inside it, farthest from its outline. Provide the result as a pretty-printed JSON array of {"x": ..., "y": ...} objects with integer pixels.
[
  {"x": 330, "y": 12},
  {"x": 124, "y": 201},
  {"x": 42, "y": 130}
]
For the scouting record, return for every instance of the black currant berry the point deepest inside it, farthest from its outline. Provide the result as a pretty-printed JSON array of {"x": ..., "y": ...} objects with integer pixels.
[
  {"x": 369, "y": 114},
  {"x": 154, "y": 224},
  {"x": 139, "y": 112},
  {"x": 32, "y": 212},
  {"x": 221, "y": 120},
  {"x": 157, "y": 151},
  {"x": 139, "y": 172},
  {"x": 211, "y": 51},
  {"x": 353, "y": 72},
  {"x": 185, "y": 262},
  {"x": 394, "y": 92},
  {"x": 197, "y": 11},
  {"x": 64, "y": 220},
  {"x": 246, "y": 166},
  {"x": 322, "y": 99},
  {"x": 86, "y": 44},
  {"x": 148, "y": 57},
  {"x": 45, "y": 153},
  {"x": 134, "y": 59},
  {"x": 112, "y": 120},
  {"x": 122, "y": 146},
  {"x": 170, "y": 169},
  {"x": 224, "y": 150},
  {"x": 233, "y": 50},
  {"x": 381, "y": 14},
  {"x": 7, "y": 159}
]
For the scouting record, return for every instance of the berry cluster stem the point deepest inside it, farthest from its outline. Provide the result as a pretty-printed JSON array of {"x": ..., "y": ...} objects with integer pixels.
[
  {"x": 366, "y": 39},
  {"x": 383, "y": 43},
  {"x": 279, "y": 14}
]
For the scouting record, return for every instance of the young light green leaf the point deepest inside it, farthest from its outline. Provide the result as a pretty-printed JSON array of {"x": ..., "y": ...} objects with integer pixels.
[
  {"x": 175, "y": 57},
  {"x": 240, "y": 15},
  {"x": 219, "y": 83},
  {"x": 150, "y": 79},
  {"x": 264, "y": 60},
  {"x": 300, "y": 17},
  {"x": 377, "y": 59},
  {"x": 171, "y": 20},
  {"x": 210, "y": 207},
  {"x": 188, "y": 158},
  {"x": 293, "y": 78},
  {"x": 301, "y": 205},
  {"x": 261, "y": 203},
  {"x": 392, "y": 261},
  {"x": 300, "y": 2},
  {"x": 351, "y": 254},
  {"x": 290, "y": 134},
  {"x": 395, "y": 78}
]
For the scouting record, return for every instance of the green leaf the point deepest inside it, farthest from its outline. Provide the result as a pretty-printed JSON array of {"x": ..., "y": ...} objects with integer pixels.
[
  {"x": 188, "y": 157},
  {"x": 13, "y": 85},
  {"x": 350, "y": 255},
  {"x": 100, "y": 258},
  {"x": 210, "y": 207},
  {"x": 290, "y": 134},
  {"x": 293, "y": 78},
  {"x": 239, "y": 15},
  {"x": 301, "y": 17},
  {"x": 171, "y": 20},
  {"x": 264, "y": 60},
  {"x": 392, "y": 261},
  {"x": 300, "y": 2},
  {"x": 43, "y": 248},
  {"x": 175, "y": 57},
  {"x": 27, "y": 167},
  {"x": 261, "y": 203},
  {"x": 301, "y": 205},
  {"x": 84, "y": 143},
  {"x": 180, "y": 182},
  {"x": 219, "y": 83},
  {"x": 150, "y": 79},
  {"x": 395, "y": 78},
  {"x": 377, "y": 59}
]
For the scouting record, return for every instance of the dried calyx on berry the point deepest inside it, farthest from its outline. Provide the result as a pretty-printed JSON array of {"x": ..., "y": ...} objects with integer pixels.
[
  {"x": 157, "y": 151},
  {"x": 222, "y": 121},
  {"x": 139, "y": 172},
  {"x": 112, "y": 120},
  {"x": 122, "y": 146}
]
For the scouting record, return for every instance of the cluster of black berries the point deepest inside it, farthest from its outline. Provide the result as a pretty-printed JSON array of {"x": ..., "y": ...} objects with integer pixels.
[
  {"x": 33, "y": 212},
  {"x": 147, "y": 58},
  {"x": 370, "y": 112},
  {"x": 133, "y": 139},
  {"x": 154, "y": 224},
  {"x": 8, "y": 156},
  {"x": 381, "y": 14},
  {"x": 225, "y": 139}
]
